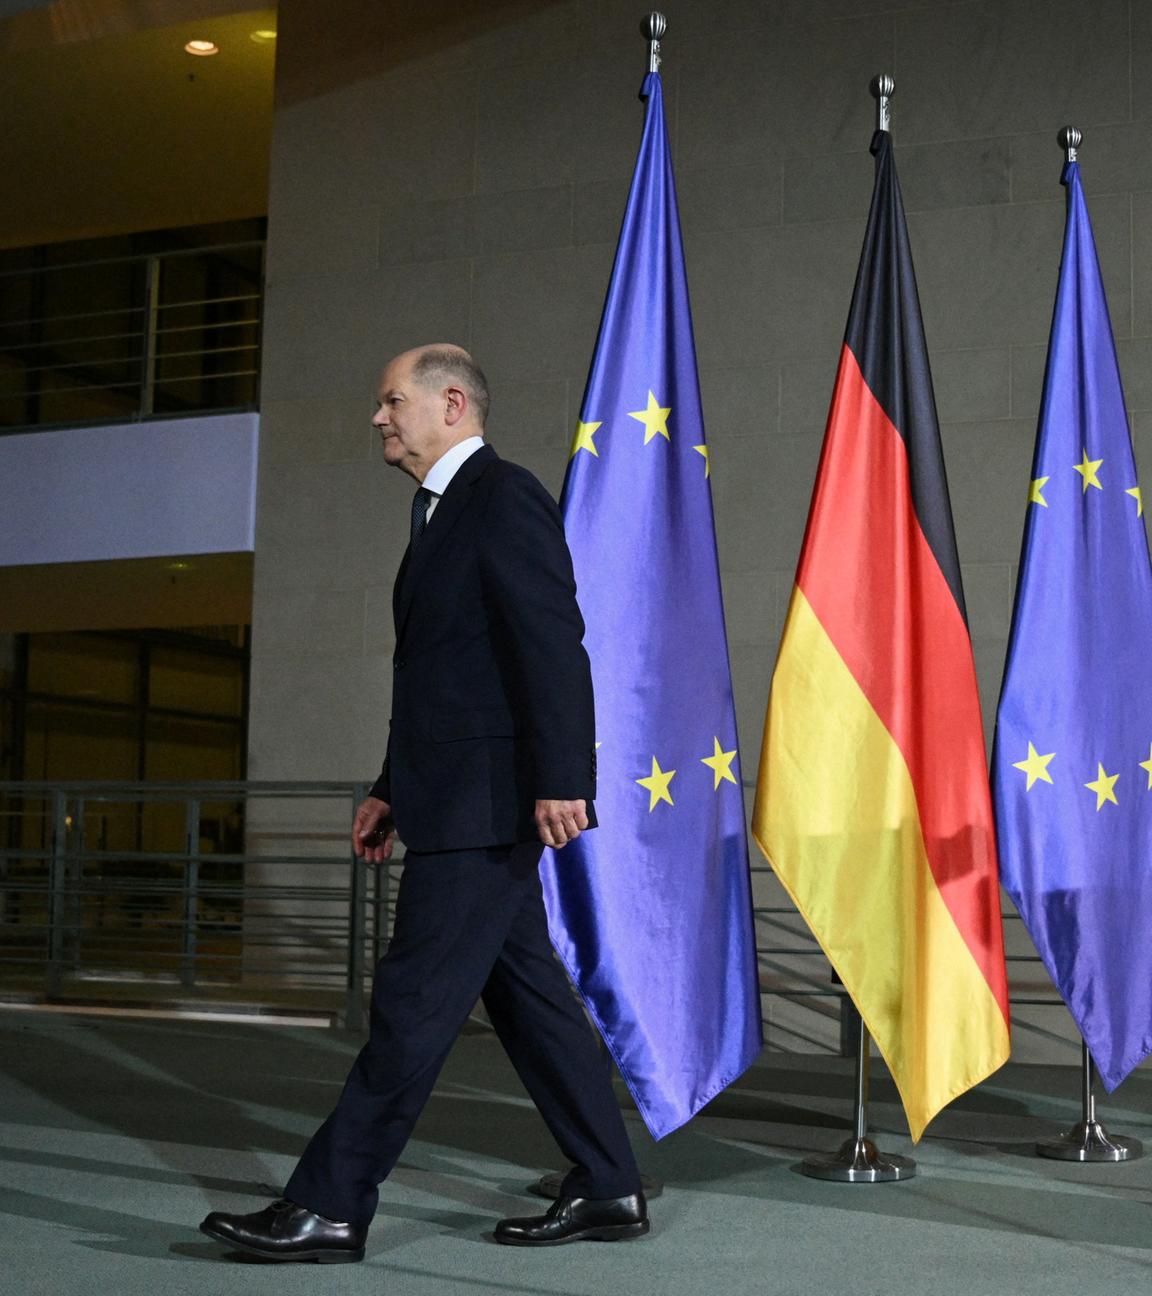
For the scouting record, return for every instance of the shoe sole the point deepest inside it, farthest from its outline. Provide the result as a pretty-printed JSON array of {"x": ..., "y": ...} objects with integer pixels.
[
  {"x": 607, "y": 1233},
  {"x": 322, "y": 1256}
]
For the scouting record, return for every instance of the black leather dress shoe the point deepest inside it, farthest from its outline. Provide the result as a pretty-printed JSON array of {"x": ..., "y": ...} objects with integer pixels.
[
  {"x": 286, "y": 1231},
  {"x": 576, "y": 1219}
]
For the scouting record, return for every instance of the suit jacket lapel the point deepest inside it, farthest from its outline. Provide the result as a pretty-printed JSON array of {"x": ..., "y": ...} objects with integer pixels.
[{"x": 452, "y": 503}]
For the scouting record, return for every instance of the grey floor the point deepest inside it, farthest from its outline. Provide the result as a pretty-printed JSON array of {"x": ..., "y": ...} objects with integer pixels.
[{"x": 117, "y": 1135}]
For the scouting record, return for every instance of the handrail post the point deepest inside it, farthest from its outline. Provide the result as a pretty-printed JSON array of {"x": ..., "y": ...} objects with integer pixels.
[
  {"x": 381, "y": 910},
  {"x": 151, "y": 323},
  {"x": 357, "y": 894},
  {"x": 191, "y": 890},
  {"x": 73, "y": 942},
  {"x": 56, "y": 879}
]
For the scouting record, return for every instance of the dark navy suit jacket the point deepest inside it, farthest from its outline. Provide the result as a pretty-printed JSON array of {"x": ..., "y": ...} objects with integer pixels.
[{"x": 491, "y": 688}]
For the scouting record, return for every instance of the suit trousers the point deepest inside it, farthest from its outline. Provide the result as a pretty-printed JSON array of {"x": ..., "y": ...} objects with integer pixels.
[{"x": 470, "y": 924}]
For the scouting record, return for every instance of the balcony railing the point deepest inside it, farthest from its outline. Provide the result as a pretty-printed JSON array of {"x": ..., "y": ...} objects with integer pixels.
[
  {"x": 246, "y": 896},
  {"x": 239, "y": 895},
  {"x": 132, "y": 337}
]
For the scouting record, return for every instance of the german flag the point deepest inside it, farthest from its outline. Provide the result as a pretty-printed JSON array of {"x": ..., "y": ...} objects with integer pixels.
[{"x": 872, "y": 801}]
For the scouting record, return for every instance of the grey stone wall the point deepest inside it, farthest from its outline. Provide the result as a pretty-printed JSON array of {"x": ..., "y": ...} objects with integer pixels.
[{"x": 458, "y": 171}]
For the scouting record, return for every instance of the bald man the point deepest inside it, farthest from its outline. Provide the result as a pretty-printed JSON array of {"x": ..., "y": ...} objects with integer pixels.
[{"x": 490, "y": 757}]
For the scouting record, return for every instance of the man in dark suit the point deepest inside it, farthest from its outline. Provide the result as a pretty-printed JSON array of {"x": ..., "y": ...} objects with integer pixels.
[{"x": 490, "y": 757}]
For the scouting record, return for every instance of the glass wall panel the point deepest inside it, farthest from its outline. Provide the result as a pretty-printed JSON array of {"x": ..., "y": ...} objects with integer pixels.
[
  {"x": 84, "y": 666},
  {"x": 184, "y": 680}
]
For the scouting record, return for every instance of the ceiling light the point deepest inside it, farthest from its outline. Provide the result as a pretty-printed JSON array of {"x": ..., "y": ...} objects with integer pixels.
[
  {"x": 263, "y": 37},
  {"x": 202, "y": 47}
]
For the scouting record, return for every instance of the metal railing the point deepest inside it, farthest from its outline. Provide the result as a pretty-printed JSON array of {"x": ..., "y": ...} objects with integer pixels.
[
  {"x": 128, "y": 338},
  {"x": 231, "y": 894},
  {"x": 246, "y": 895}
]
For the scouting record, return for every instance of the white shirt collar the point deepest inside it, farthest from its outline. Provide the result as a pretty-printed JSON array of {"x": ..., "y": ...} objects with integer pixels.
[{"x": 446, "y": 467}]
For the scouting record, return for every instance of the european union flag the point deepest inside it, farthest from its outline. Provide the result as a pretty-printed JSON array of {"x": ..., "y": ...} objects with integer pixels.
[
  {"x": 1072, "y": 765},
  {"x": 651, "y": 912}
]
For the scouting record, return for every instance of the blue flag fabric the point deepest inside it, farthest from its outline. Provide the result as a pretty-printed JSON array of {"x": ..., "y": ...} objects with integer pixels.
[
  {"x": 651, "y": 912},
  {"x": 1072, "y": 764}
]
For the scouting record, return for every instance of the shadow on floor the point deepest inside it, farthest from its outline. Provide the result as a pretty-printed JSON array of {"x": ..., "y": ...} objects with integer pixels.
[{"x": 253, "y": 1094}]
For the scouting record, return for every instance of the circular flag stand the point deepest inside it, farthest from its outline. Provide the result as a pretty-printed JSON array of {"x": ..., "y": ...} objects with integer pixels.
[
  {"x": 1088, "y": 1140},
  {"x": 858, "y": 1160}
]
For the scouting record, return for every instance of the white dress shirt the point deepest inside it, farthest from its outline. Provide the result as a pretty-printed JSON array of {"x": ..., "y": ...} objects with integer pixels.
[{"x": 446, "y": 467}]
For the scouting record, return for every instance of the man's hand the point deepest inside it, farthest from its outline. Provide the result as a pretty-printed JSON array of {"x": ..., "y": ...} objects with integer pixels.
[
  {"x": 560, "y": 822},
  {"x": 373, "y": 831}
]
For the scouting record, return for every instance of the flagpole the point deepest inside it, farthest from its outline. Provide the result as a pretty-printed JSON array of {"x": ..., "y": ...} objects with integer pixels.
[
  {"x": 551, "y": 1185},
  {"x": 858, "y": 1160},
  {"x": 1088, "y": 1140}
]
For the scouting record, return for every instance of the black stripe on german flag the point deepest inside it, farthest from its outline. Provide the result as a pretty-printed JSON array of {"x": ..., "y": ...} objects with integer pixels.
[{"x": 886, "y": 335}]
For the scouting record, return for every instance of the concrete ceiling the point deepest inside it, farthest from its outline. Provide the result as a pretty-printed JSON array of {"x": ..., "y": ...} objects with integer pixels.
[{"x": 110, "y": 127}]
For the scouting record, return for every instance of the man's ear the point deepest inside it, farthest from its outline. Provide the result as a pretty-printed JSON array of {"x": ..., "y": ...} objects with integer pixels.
[{"x": 456, "y": 405}]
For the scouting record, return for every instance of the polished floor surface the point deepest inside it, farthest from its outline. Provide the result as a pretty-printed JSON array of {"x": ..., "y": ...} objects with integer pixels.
[{"x": 118, "y": 1135}]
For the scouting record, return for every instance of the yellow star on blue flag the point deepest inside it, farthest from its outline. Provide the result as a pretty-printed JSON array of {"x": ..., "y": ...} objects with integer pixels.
[
  {"x": 654, "y": 418},
  {"x": 657, "y": 784},
  {"x": 720, "y": 763}
]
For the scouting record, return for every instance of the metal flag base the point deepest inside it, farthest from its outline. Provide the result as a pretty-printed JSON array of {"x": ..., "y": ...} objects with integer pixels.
[
  {"x": 549, "y": 1185},
  {"x": 858, "y": 1159},
  {"x": 1088, "y": 1140}
]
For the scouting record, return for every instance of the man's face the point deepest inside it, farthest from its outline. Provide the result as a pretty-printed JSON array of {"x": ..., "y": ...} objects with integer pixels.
[{"x": 411, "y": 419}]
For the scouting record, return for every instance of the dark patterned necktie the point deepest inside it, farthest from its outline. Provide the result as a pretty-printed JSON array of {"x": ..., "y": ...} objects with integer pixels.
[{"x": 420, "y": 502}]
